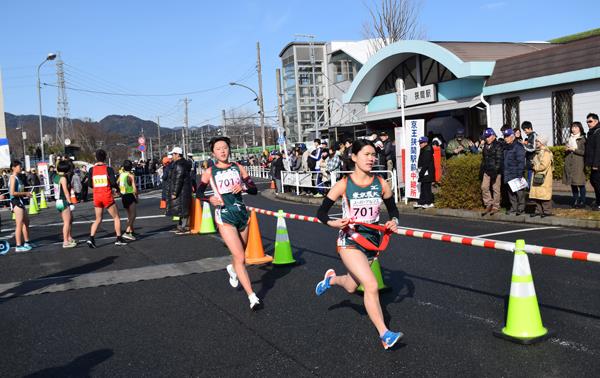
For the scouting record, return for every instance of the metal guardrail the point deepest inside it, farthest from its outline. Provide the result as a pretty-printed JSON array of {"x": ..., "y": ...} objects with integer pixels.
[{"x": 312, "y": 179}]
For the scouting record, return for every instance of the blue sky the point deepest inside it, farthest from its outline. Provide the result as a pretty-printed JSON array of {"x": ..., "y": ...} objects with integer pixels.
[{"x": 170, "y": 47}]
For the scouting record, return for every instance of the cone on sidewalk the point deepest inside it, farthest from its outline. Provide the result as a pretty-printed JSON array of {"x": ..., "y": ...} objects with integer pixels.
[
  {"x": 197, "y": 216},
  {"x": 73, "y": 197},
  {"x": 207, "y": 225},
  {"x": 283, "y": 249},
  {"x": 43, "y": 203},
  {"x": 273, "y": 184},
  {"x": 376, "y": 269},
  {"x": 191, "y": 214},
  {"x": 523, "y": 321},
  {"x": 163, "y": 204},
  {"x": 255, "y": 253}
]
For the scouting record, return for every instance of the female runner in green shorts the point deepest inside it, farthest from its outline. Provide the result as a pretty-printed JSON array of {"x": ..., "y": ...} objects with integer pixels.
[
  {"x": 228, "y": 181},
  {"x": 362, "y": 193}
]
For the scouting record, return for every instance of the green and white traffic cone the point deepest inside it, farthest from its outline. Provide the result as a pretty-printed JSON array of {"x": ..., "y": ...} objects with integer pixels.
[{"x": 283, "y": 248}]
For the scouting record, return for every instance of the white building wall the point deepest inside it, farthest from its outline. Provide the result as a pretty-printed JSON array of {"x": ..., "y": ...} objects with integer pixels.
[{"x": 536, "y": 105}]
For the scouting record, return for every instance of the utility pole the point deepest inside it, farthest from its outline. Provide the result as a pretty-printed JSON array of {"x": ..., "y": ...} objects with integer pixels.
[
  {"x": 280, "y": 128},
  {"x": 224, "y": 122},
  {"x": 260, "y": 97},
  {"x": 158, "y": 124},
  {"x": 185, "y": 131}
]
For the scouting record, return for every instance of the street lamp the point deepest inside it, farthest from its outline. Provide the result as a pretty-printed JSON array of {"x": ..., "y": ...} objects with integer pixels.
[
  {"x": 50, "y": 56},
  {"x": 259, "y": 102}
]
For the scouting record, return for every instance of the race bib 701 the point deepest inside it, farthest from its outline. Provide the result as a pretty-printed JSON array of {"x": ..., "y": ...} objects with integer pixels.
[
  {"x": 226, "y": 180},
  {"x": 365, "y": 209}
]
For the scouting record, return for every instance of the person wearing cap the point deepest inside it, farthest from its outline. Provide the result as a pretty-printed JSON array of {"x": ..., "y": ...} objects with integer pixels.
[
  {"x": 426, "y": 174},
  {"x": 179, "y": 192},
  {"x": 491, "y": 169},
  {"x": 459, "y": 145},
  {"x": 541, "y": 183},
  {"x": 514, "y": 166}
]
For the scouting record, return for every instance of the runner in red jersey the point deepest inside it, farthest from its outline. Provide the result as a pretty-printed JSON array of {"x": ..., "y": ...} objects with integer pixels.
[{"x": 102, "y": 180}]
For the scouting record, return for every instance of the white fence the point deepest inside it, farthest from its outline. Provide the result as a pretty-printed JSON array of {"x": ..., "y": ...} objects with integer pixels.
[
  {"x": 313, "y": 179},
  {"x": 259, "y": 172}
]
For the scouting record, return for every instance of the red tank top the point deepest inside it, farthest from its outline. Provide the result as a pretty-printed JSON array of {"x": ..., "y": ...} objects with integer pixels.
[{"x": 100, "y": 182}]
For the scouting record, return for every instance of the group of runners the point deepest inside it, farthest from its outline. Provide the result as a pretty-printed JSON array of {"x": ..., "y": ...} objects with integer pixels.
[
  {"x": 105, "y": 185},
  {"x": 360, "y": 237}
]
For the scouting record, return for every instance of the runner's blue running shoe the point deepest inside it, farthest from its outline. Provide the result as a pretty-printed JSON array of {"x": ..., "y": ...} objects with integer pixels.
[
  {"x": 30, "y": 244},
  {"x": 323, "y": 285},
  {"x": 390, "y": 338},
  {"x": 23, "y": 248}
]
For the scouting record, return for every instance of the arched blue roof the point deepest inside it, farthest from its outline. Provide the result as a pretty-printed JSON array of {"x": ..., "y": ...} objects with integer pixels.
[{"x": 377, "y": 68}]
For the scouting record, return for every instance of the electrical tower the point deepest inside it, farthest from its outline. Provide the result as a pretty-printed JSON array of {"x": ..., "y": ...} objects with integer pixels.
[{"x": 64, "y": 127}]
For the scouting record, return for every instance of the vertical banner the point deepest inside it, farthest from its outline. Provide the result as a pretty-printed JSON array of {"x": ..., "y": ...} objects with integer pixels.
[
  {"x": 413, "y": 130},
  {"x": 400, "y": 148},
  {"x": 42, "y": 168}
]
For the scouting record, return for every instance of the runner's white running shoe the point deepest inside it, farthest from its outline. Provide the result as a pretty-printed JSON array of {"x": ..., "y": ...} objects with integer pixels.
[
  {"x": 233, "y": 280},
  {"x": 255, "y": 303}
]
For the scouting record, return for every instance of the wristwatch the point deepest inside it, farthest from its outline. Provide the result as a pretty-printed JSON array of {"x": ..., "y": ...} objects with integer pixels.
[{"x": 395, "y": 220}]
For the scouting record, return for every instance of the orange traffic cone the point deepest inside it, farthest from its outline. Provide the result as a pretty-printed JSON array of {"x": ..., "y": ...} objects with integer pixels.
[
  {"x": 191, "y": 224},
  {"x": 163, "y": 204},
  {"x": 73, "y": 197},
  {"x": 197, "y": 216},
  {"x": 255, "y": 253},
  {"x": 273, "y": 184}
]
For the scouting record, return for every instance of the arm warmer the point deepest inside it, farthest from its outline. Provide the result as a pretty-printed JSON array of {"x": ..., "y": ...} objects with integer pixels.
[
  {"x": 324, "y": 209},
  {"x": 390, "y": 205},
  {"x": 250, "y": 185},
  {"x": 201, "y": 188}
]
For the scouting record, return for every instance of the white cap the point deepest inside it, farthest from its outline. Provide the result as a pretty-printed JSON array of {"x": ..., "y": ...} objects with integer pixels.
[
  {"x": 177, "y": 150},
  {"x": 190, "y": 154},
  {"x": 170, "y": 155}
]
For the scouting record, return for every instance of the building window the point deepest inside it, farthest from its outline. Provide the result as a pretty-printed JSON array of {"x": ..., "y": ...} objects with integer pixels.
[
  {"x": 510, "y": 112},
  {"x": 562, "y": 115},
  {"x": 432, "y": 72}
]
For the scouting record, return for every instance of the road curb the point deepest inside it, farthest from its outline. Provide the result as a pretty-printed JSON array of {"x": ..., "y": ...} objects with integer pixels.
[{"x": 455, "y": 213}]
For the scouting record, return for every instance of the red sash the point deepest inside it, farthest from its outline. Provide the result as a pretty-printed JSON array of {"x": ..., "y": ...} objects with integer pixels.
[{"x": 364, "y": 242}]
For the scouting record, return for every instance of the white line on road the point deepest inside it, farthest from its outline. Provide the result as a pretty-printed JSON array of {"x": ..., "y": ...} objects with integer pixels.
[
  {"x": 83, "y": 222},
  {"x": 515, "y": 231}
]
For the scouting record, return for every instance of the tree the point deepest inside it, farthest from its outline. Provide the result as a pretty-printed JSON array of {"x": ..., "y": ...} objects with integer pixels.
[{"x": 391, "y": 21}]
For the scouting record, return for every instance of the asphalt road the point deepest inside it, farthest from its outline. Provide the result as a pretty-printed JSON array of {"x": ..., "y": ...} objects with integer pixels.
[{"x": 142, "y": 310}]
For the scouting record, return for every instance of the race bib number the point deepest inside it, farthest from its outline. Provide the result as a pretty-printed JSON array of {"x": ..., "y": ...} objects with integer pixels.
[
  {"x": 365, "y": 209},
  {"x": 226, "y": 180},
  {"x": 100, "y": 181}
]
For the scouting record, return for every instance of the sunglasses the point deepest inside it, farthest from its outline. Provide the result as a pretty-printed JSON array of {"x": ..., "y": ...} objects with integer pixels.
[{"x": 590, "y": 121}]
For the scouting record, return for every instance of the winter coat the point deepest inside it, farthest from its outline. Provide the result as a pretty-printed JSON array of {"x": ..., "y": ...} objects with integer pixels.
[
  {"x": 530, "y": 149},
  {"x": 76, "y": 183},
  {"x": 514, "y": 161},
  {"x": 180, "y": 185},
  {"x": 165, "y": 180},
  {"x": 573, "y": 172},
  {"x": 493, "y": 155},
  {"x": 277, "y": 167},
  {"x": 592, "y": 148},
  {"x": 425, "y": 165},
  {"x": 542, "y": 163}
]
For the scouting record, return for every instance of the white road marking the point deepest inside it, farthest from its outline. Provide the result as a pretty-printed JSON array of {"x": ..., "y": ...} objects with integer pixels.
[
  {"x": 515, "y": 231},
  {"x": 84, "y": 222},
  {"x": 578, "y": 347}
]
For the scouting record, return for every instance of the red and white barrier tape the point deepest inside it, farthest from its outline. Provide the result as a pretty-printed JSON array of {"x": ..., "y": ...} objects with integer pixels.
[{"x": 475, "y": 242}]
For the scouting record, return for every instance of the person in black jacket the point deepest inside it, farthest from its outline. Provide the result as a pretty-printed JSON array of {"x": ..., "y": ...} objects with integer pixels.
[
  {"x": 514, "y": 166},
  {"x": 179, "y": 192},
  {"x": 491, "y": 172},
  {"x": 426, "y": 173},
  {"x": 592, "y": 155}
]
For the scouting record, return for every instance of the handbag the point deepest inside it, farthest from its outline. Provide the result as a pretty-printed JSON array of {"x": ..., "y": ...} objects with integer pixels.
[{"x": 538, "y": 179}]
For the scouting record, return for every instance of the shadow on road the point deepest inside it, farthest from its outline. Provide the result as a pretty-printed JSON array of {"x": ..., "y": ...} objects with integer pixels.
[
  {"x": 82, "y": 366},
  {"x": 271, "y": 275},
  {"x": 57, "y": 278}
]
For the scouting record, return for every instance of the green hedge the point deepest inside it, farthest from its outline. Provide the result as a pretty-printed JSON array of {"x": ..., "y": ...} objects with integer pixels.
[
  {"x": 460, "y": 187},
  {"x": 559, "y": 161}
]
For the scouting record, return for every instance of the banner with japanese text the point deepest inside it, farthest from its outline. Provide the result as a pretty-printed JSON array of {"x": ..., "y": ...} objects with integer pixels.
[{"x": 413, "y": 130}]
